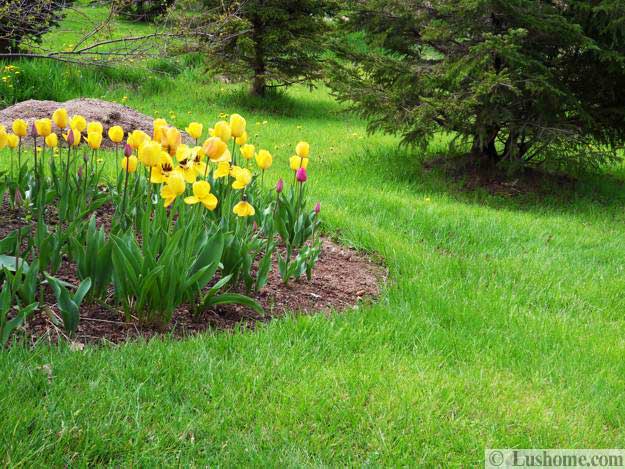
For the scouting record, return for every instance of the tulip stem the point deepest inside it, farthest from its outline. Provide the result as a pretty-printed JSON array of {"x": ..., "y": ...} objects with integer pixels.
[
  {"x": 125, "y": 190},
  {"x": 150, "y": 190},
  {"x": 116, "y": 165},
  {"x": 36, "y": 166},
  {"x": 42, "y": 175},
  {"x": 69, "y": 149},
  {"x": 19, "y": 161}
]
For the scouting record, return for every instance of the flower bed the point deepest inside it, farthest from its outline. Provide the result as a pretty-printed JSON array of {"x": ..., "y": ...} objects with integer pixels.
[{"x": 181, "y": 237}]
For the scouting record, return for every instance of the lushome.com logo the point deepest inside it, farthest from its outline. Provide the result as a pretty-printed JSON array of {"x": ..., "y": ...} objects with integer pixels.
[{"x": 505, "y": 458}]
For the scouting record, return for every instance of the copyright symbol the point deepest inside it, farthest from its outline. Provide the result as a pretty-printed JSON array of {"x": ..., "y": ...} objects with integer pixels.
[{"x": 495, "y": 458}]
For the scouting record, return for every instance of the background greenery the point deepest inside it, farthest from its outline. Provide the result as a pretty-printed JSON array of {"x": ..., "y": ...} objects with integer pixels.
[{"x": 501, "y": 324}]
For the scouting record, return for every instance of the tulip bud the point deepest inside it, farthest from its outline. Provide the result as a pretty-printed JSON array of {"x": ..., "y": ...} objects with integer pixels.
[
  {"x": 70, "y": 137},
  {"x": 279, "y": 185},
  {"x": 127, "y": 150},
  {"x": 18, "y": 198},
  {"x": 80, "y": 172},
  {"x": 301, "y": 175},
  {"x": 317, "y": 208},
  {"x": 33, "y": 129}
]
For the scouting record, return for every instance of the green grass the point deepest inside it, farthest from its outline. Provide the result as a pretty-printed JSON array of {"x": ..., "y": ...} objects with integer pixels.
[{"x": 501, "y": 326}]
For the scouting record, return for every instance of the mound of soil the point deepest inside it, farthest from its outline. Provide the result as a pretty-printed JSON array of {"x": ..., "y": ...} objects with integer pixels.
[
  {"x": 109, "y": 114},
  {"x": 342, "y": 278}
]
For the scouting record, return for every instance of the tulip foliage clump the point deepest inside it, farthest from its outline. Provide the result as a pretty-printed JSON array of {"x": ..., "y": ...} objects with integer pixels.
[{"x": 192, "y": 222}]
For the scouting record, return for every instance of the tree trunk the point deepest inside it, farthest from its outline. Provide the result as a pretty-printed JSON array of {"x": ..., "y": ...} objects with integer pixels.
[
  {"x": 5, "y": 46},
  {"x": 486, "y": 147},
  {"x": 259, "y": 84}
]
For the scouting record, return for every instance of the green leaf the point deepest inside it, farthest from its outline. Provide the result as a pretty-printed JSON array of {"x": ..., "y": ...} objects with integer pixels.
[
  {"x": 234, "y": 298},
  {"x": 219, "y": 285},
  {"x": 70, "y": 311},
  {"x": 82, "y": 290},
  {"x": 10, "y": 326},
  {"x": 263, "y": 268},
  {"x": 9, "y": 262}
]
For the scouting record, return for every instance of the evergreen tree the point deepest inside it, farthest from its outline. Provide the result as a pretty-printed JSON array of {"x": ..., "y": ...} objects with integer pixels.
[
  {"x": 142, "y": 10},
  {"x": 271, "y": 42},
  {"x": 23, "y": 21},
  {"x": 521, "y": 80}
]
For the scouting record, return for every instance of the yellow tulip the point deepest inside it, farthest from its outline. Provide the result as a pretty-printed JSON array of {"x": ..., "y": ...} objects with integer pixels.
[
  {"x": 195, "y": 130},
  {"x": 60, "y": 118},
  {"x": 242, "y": 140},
  {"x": 159, "y": 126},
  {"x": 202, "y": 194},
  {"x": 52, "y": 140},
  {"x": 12, "y": 140},
  {"x": 243, "y": 209},
  {"x": 242, "y": 177},
  {"x": 78, "y": 122},
  {"x": 214, "y": 148},
  {"x": 237, "y": 125},
  {"x": 201, "y": 168},
  {"x": 95, "y": 126},
  {"x": 174, "y": 187},
  {"x": 161, "y": 171},
  {"x": 94, "y": 139},
  {"x": 137, "y": 138},
  {"x": 223, "y": 170},
  {"x": 129, "y": 163},
  {"x": 160, "y": 122},
  {"x": 20, "y": 128},
  {"x": 264, "y": 159},
  {"x": 302, "y": 149},
  {"x": 248, "y": 151},
  {"x": 182, "y": 152},
  {"x": 173, "y": 138},
  {"x": 43, "y": 127},
  {"x": 4, "y": 138},
  {"x": 116, "y": 134},
  {"x": 223, "y": 131},
  {"x": 295, "y": 162},
  {"x": 150, "y": 153},
  {"x": 186, "y": 167}
]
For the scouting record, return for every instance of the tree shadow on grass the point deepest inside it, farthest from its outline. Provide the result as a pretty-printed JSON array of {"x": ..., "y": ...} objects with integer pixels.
[
  {"x": 297, "y": 103},
  {"x": 545, "y": 192}
]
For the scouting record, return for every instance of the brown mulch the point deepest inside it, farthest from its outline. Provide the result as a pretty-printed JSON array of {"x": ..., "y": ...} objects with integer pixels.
[
  {"x": 342, "y": 278},
  {"x": 475, "y": 173},
  {"x": 106, "y": 112}
]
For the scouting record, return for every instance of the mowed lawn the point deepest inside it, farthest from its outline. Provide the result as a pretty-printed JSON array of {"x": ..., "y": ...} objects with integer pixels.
[{"x": 501, "y": 325}]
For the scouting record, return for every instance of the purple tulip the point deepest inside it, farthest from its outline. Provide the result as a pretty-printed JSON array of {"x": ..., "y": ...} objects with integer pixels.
[
  {"x": 33, "y": 129},
  {"x": 80, "y": 172},
  {"x": 301, "y": 175},
  {"x": 70, "y": 137},
  {"x": 127, "y": 151},
  {"x": 279, "y": 185},
  {"x": 317, "y": 208}
]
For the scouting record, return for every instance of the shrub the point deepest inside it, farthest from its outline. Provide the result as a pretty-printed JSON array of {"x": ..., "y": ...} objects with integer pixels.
[
  {"x": 28, "y": 20},
  {"x": 519, "y": 80}
]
